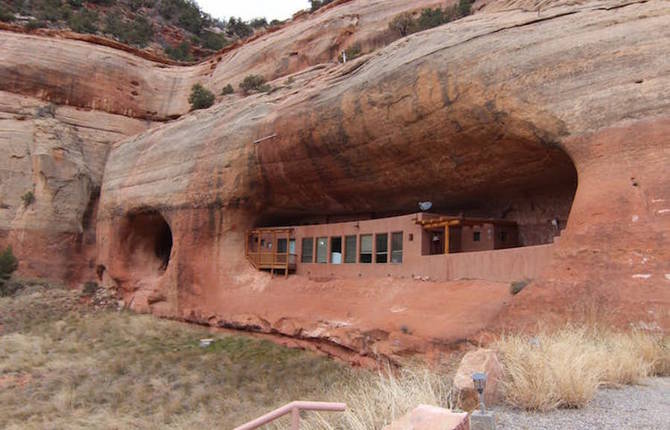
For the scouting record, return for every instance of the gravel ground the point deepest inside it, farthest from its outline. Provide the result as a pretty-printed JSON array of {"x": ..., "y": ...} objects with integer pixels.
[{"x": 634, "y": 407}]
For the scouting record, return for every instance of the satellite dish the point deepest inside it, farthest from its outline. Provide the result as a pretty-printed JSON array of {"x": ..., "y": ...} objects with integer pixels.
[{"x": 424, "y": 206}]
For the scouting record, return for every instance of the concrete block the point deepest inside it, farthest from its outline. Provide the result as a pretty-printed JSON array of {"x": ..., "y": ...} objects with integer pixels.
[{"x": 482, "y": 421}]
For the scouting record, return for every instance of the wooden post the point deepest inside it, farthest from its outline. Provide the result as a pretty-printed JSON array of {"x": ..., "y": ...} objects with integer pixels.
[
  {"x": 288, "y": 251},
  {"x": 446, "y": 239},
  {"x": 295, "y": 419},
  {"x": 274, "y": 253}
]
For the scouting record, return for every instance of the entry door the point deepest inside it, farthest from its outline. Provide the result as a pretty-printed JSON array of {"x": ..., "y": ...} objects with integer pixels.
[{"x": 436, "y": 242}]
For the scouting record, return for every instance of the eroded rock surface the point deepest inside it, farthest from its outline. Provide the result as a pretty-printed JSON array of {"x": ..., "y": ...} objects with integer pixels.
[{"x": 551, "y": 117}]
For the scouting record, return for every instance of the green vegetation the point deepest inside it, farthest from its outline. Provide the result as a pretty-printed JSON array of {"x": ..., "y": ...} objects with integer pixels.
[
  {"x": 200, "y": 98},
  {"x": 516, "y": 286},
  {"x": 5, "y": 15},
  {"x": 28, "y": 198},
  {"x": 254, "y": 83},
  {"x": 137, "y": 22},
  {"x": 352, "y": 52},
  {"x": 228, "y": 89},
  {"x": 8, "y": 264},
  {"x": 405, "y": 23},
  {"x": 317, "y": 4},
  {"x": 181, "y": 52},
  {"x": 84, "y": 21},
  {"x": 137, "y": 32}
]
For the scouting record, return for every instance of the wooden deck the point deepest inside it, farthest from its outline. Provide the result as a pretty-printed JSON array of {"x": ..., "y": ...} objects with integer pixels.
[{"x": 269, "y": 249}]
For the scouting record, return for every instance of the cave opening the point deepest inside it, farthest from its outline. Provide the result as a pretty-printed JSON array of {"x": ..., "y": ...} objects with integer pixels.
[
  {"x": 148, "y": 241},
  {"x": 532, "y": 191}
]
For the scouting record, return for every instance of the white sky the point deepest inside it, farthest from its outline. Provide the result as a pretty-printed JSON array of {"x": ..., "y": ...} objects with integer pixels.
[{"x": 248, "y": 9}]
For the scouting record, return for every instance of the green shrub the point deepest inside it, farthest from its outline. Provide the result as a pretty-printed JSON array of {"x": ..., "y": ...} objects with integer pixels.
[
  {"x": 90, "y": 288},
  {"x": 405, "y": 24},
  {"x": 516, "y": 286},
  {"x": 34, "y": 24},
  {"x": 254, "y": 83},
  {"x": 402, "y": 24},
  {"x": 8, "y": 264},
  {"x": 5, "y": 15},
  {"x": 352, "y": 52},
  {"x": 228, "y": 89},
  {"x": 239, "y": 28},
  {"x": 28, "y": 198},
  {"x": 317, "y": 4},
  {"x": 181, "y": 52},
  {"x": 201, "y": 97},
  {"x": 258, "y": 22},
  {"x": 213, "y": 41},
  {"x": 84, "y": 21}
]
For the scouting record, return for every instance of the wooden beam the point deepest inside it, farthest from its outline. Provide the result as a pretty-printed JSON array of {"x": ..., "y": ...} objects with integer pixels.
[{"x": 446, "y": 239}]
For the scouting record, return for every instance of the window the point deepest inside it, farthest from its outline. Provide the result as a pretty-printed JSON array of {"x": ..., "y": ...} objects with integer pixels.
[
  {"x": 322, "y": 250},
  {"x": 503, "y": 236},
  {"x": 396, "y": 247},
  {"x": 366, "y": 248},
  {"x": 476, "y": 236},
  {"x": 382, "y": 241},
  {"x": 336, "y": 250},
  {"x": 307, "y": 250},
  {"x": 281, "y": 246},
  {"x": 350, "y": 249}
]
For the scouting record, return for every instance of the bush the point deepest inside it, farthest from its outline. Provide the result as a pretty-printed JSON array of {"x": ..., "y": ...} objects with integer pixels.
[
  {"x": 352, "y": 52},
  {"x": 28, "y": 198},
  {"x": 258, "y": 23},
  {"x": 405, "y": 24},
  {"x": 138, "y": 32},
  {"x": 254, "y": 83},
  {"x": 516, "y": 286},
  {"x": 8, "y": 264},
  {"x": 228, "y": 89},
  {"x": 201, "y": 97},
  {"x": 402, "y": 24},
  {"x": 34, "y": 24},
  {"x": 181, "y": 52},
  {"x": 5, "y": 15},
  {"x": 90, "y": 288},
  {"x": 317, "y": 4},
  {"x": 84, "y": 21},
  {"x": 239, "y": 28},
  {"x": 213, "y": 41}
]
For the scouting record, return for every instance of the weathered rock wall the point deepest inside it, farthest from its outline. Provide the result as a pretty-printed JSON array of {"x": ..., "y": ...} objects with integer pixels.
[
  {"x": 510, "y": 112},
  {"x": 498, "y": 106}
]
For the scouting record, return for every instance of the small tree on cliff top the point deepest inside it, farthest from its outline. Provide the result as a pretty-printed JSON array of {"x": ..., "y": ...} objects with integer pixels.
[
  {"x": 200, "y": 98},
  {"x": 8, "y": 264}
]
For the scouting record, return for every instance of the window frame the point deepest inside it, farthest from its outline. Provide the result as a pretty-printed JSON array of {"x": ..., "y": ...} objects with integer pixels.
[
  {"x": 355, "y": 251},
  {"x": 392, "y": 251},
  {"x": 385, "y": 253},
  {"x": 311, "y": 248},
  {"x": 325, "y": 239},
  {"x": 360, "y": 248}
]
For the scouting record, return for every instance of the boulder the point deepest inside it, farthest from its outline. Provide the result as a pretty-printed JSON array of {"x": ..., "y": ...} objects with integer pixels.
[
  {"x": 426, "y": 417},
  {"x": 481, "y": 360}
]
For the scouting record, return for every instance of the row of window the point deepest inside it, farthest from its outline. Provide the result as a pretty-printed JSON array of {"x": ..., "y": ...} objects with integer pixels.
[{"x": 346, "y": 252}]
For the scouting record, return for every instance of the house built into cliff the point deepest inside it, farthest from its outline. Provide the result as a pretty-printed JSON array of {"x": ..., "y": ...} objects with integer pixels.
[{"x": 422, "y": 245}]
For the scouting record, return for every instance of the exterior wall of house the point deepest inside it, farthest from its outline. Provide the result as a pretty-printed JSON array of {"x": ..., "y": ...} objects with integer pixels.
[{"x": 495, "y": 265}]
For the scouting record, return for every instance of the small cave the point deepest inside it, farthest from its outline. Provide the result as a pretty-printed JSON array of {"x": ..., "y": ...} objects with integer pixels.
[{"x": 146, "y": 242}]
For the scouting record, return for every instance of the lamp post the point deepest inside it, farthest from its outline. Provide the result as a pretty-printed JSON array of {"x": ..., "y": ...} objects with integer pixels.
[{"x": 479, "y": 381}]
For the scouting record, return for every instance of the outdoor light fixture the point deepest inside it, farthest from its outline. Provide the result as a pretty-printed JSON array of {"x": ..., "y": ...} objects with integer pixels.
[{"x": 479, "y": 381}]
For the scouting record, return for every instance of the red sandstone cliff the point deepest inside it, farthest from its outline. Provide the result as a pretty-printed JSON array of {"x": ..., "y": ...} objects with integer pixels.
[{"x": 558, "y": 113}]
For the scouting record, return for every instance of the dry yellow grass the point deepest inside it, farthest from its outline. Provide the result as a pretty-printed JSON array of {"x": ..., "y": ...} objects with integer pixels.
[
  {"x": 565, "y": 368},
  {"x": 63, "y": 366},
  {"x": 375, "y": 400}
]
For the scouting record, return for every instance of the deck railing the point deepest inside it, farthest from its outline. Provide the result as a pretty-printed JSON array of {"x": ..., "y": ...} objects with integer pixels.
[{"x": 294, "y": 409}]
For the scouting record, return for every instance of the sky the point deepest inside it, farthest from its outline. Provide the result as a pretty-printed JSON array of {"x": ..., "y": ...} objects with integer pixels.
[{"x": 249, "y": 9}]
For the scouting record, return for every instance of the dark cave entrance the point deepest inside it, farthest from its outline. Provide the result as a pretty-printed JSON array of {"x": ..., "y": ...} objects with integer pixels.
[{"x": 147, "y": 241}]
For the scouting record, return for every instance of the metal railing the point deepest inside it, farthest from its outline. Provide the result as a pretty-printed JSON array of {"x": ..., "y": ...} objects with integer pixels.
[{"x": 294, "y": 409}]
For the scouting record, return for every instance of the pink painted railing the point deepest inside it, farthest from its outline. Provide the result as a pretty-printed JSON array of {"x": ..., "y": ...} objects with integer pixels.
[{"x": 294, "y": 409}]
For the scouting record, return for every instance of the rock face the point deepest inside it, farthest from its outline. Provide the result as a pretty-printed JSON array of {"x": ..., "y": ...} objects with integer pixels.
[
  {"x": 559, "y": 115},
  {"x": 478, "y": 361},
  {"x": 425, "y": 417}
]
